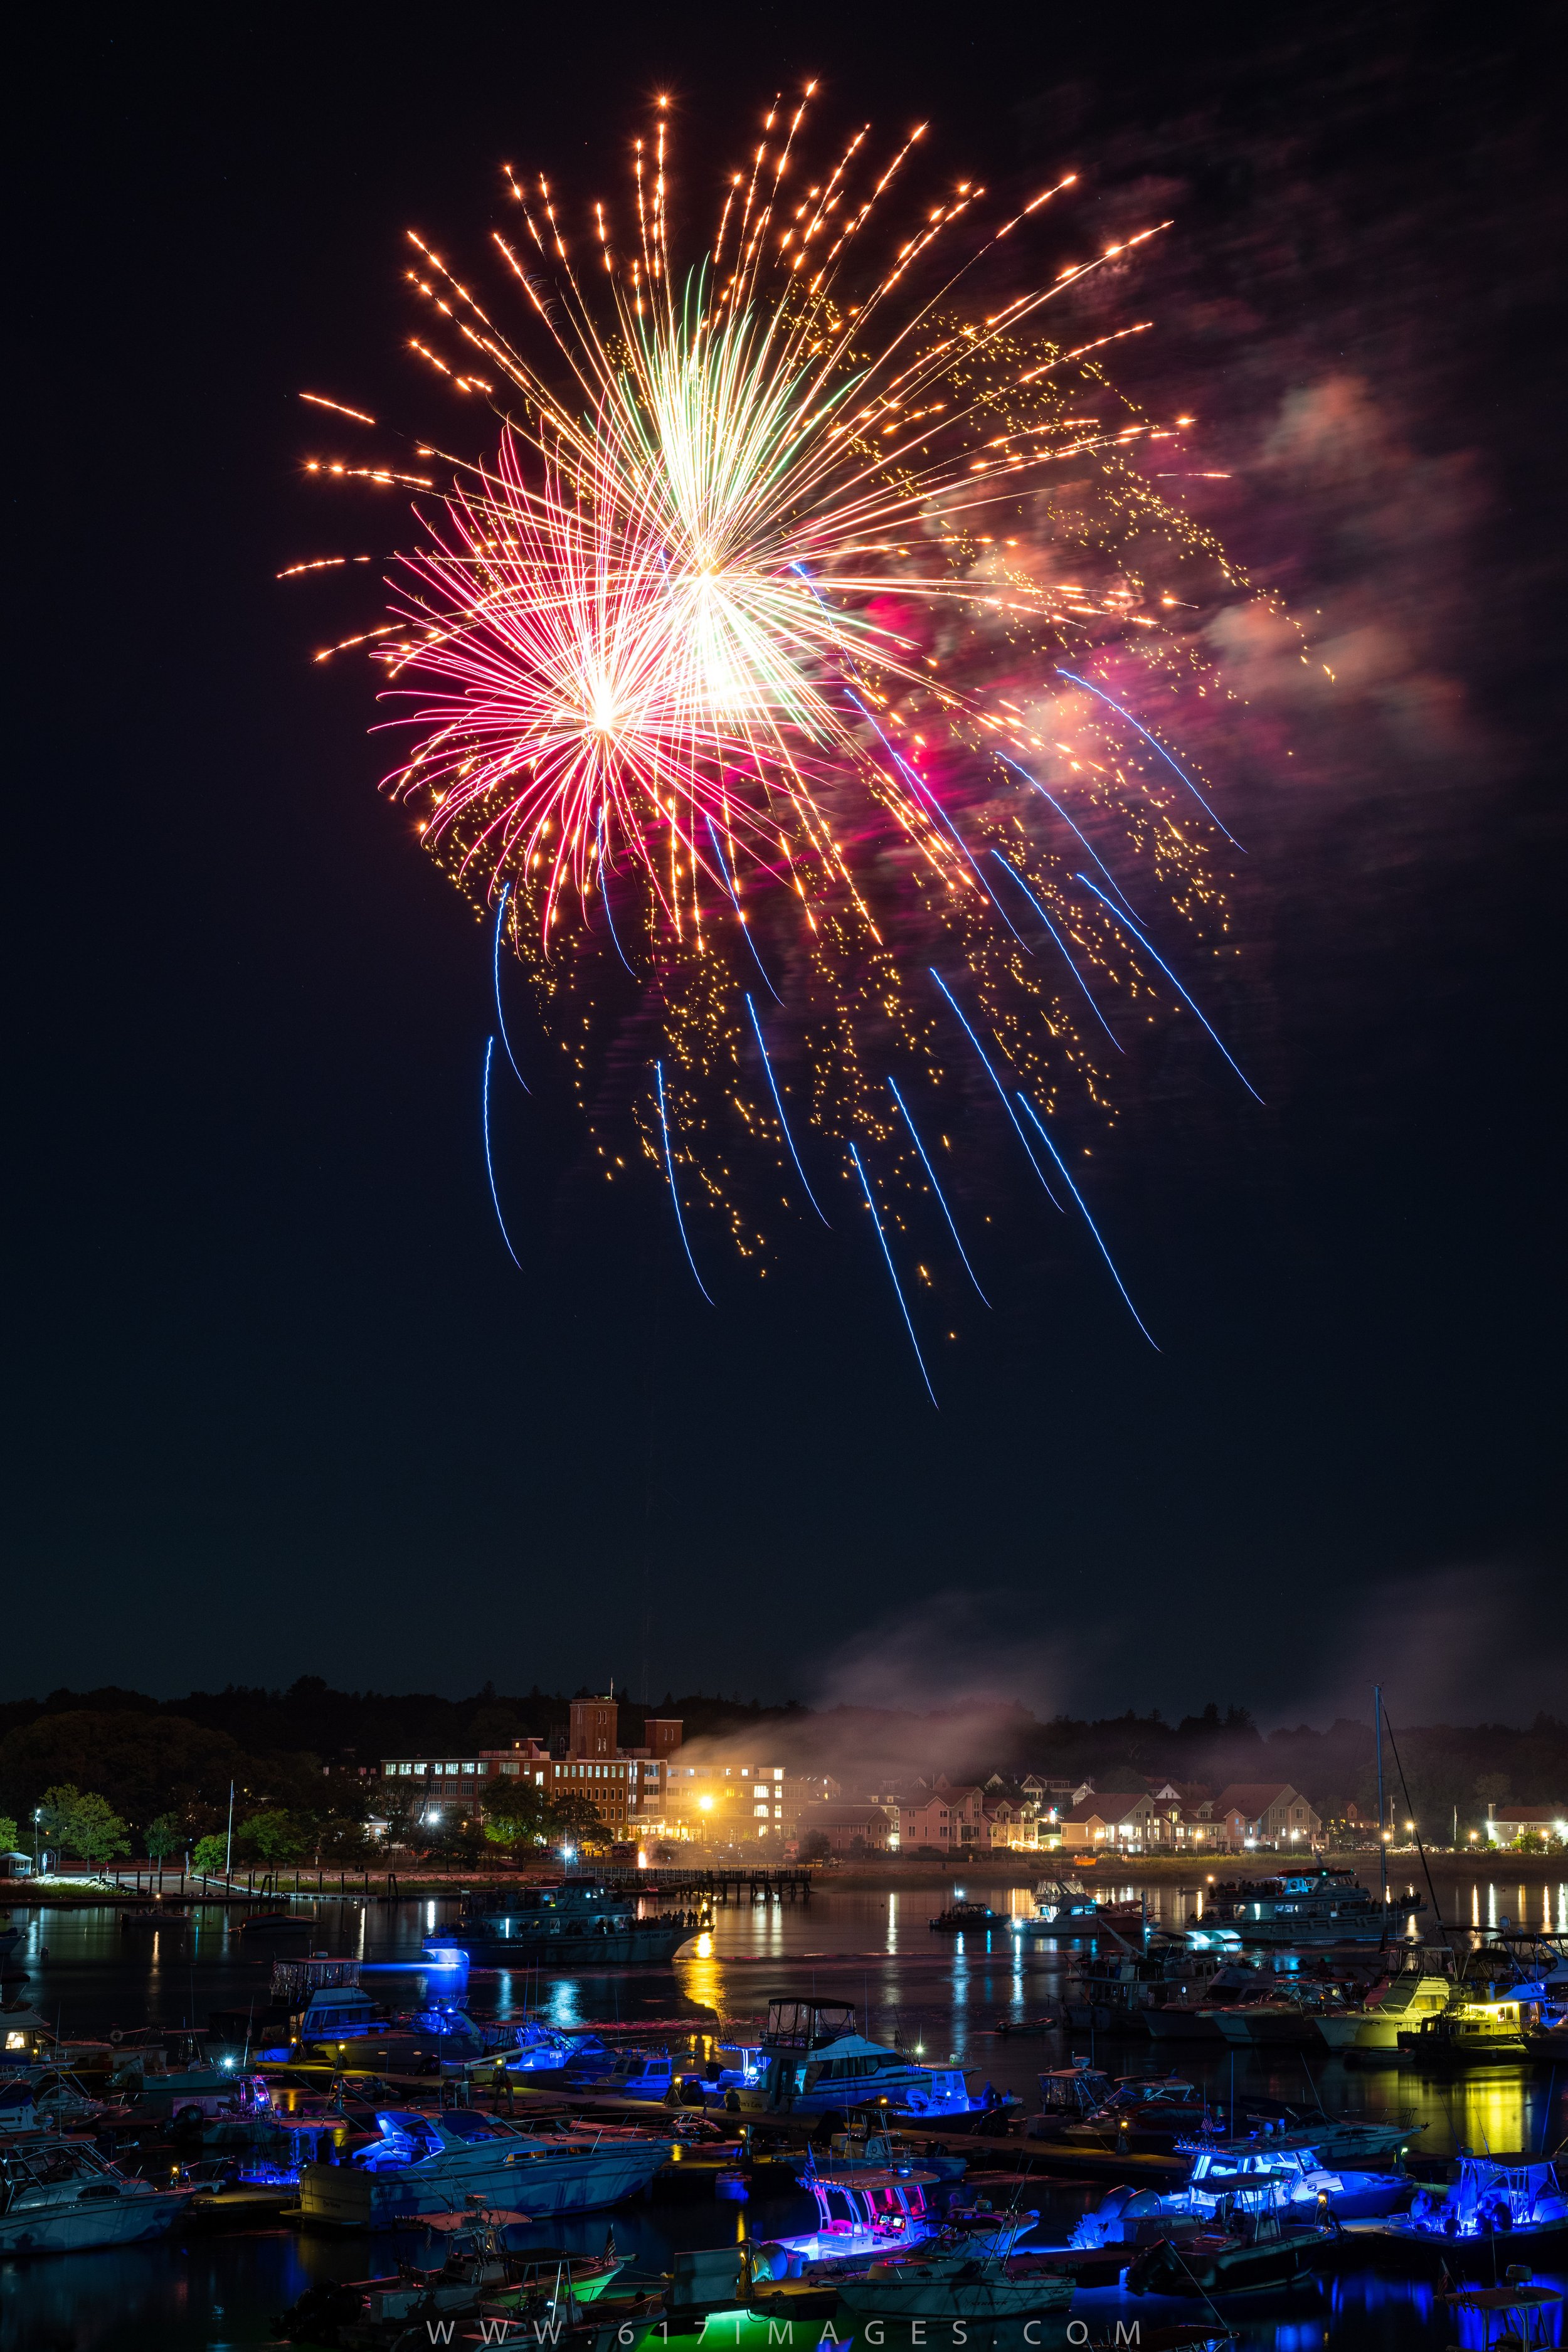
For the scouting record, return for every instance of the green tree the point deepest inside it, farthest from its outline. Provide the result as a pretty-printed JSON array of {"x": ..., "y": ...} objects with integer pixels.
[
  {"x": 8, "y": 1833},
  {"x": 83, "y": 1825},
  {"x": 274, "y": 1834},
  {"x": 575, "y": 1819},
  {"x": 517, "y": 1813},
  {"x": 164, "y": 1836},
  {"x": 208, "y": 1855},
  {"x": 97, "y": 1832}
]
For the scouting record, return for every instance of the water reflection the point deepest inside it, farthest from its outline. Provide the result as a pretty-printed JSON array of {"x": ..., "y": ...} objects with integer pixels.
[{"x": 933, "y": 1992}]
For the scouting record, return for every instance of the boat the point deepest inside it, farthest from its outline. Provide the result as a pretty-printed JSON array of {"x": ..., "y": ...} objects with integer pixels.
[
  {"x": 1191, "y": 2014},
  {"x": 1252, "y": 2241},
  {"x": 1417, "y": 1989},
  {"x": 1505, "y": 1994},
  {"x": 577, "y": 1923},
  {"x": 1142, "y": 2111},
  {"x": 860, "y": 2213},
  {"x": 60, "y": 2197},
  {"x": 420, "y": 2164},
  {"x": 338, "y": 2020},
  {"x": 1127, "y": 1991},
  {"x": 540, "y": 2049},
  {"x": 867, "y": 2144},
  {"x": 153, "y": 1921},
  {"x": 620, "y": 2073},
  {"x": 960, "y": 1916},
  {"x": 160, "y": 2066},
  {"x": 480, "y": 2270},
  {"x": 1279, "y": 2019},
  {"x": 1298, "y": 2183},
  {"x": 1063, "y": 1908},
  {"x": 817, "y": 2064},
  {"x": 1494, "y": 2210},
  {"x": 956, "y": 2287},
  {"x": 27, "y": 2039},
  {"x": 1069, "y": 2093},
  {"x": 1326, "y": 1904},
  {"x": 277, "y": 1923},
  {"x": 1521, "y": 2314},
  {"x": 45, "y": 2098},
  {"x": 1337, "y": 2140}
]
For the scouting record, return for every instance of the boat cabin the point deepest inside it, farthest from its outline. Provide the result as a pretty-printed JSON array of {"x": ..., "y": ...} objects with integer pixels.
[
  {"x": 1491, "y": 2194},
  {"x": 1079, "y": 2089}
]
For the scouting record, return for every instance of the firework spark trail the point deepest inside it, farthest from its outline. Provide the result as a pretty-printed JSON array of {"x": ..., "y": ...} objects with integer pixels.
[
  {"x": 1154, "y": 955},
  {"x": 1035, "y": 785},
  {"x": 495, "y": 975},
  {"x": 778, "y": 1106},
  {"x": 605, "y": 901},
  {"x": 723, "y": 872},
  {"x": 1001, "y": 1089},
  {"x": 893, "y": 1272},
  {"x": 941, "y": 1195},
  {"x": 1009, "y": 867},
  {"x": 673, "y": 1194},
  {"x": 1088, "y": 1221},
  {"x": 489, "y": 1163},
  {"x": 750, "y": 616},
  {"x": 1154, "y": 742}
]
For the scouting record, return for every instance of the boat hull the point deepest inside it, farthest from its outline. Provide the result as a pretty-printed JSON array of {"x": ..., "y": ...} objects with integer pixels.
[
  {"x": 541, "y": 2184},
  {"x": 78, "y": 2227},
  {"x": 1192, "y": 2270},
  {"x": 1266, "y": 2028},
  {"x": 1176, "y": 2024},
  {"x": 1485, "y": 2257},
  {"x": 949, "y": 2297}
]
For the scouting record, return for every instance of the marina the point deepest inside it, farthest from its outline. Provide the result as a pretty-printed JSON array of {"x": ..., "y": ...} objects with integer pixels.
[{"x": 1320, "y": 2172}]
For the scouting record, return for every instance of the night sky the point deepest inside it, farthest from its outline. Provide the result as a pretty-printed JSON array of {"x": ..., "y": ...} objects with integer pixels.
[{"x": 281, "y": 1403}]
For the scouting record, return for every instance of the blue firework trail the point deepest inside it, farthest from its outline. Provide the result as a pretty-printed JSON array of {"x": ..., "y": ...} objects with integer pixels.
[
  {"x": 489, "y": 1163},
  {"x": 1088, "y": 1221},
  {"x": 778, "y": 1106},
  {"x": 1009, "y": 867},
  {"x": 1176, "y": 983},
  {"x": 1001, "y": 1089},
  {"x": 604, "y": 897},
  {"x": 942, "y": 1197},
  {"x": 917, "y": 783},
  {"x": 675, "y": 1197},
  {"x": 746, "y": 927},
  {"x": 1036, "y": 786},
  {"x": 495, "y": 974},
  {"x": 892, "y": 1274},
  {"x": 1089, "y": 688}
]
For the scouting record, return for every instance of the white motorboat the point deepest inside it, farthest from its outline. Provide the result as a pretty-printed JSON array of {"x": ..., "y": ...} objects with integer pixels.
[
  {"x": 817, "y": 2064},
  {"x": 1291, "y": 2179},
  {"x": 429, "y": 2163},
  {"x": 861, "y": 2213},
  {"x": 45, "y": 2098},
  {"x": 60, "y": 2197},
  {"x": 956, "y": 2286},
  {"x": 1398, "y": 2002}
]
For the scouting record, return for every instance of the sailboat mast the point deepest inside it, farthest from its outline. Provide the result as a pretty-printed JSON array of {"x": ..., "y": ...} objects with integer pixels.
[{"x": 1382, "y": 1840}]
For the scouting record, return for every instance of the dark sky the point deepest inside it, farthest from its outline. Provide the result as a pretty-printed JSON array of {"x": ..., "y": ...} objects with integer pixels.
[{"x": 281, "y": 1403}]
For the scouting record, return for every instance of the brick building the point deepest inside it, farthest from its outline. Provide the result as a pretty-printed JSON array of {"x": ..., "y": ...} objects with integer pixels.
[{"x": 627, "y": 1787}]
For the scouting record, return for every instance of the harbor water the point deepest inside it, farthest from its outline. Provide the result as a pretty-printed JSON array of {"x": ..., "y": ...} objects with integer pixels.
[{"x": 943, "y": 1997}]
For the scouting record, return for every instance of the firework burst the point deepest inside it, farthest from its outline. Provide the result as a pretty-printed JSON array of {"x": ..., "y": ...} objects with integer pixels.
[{"x": 774, "y": 682}]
